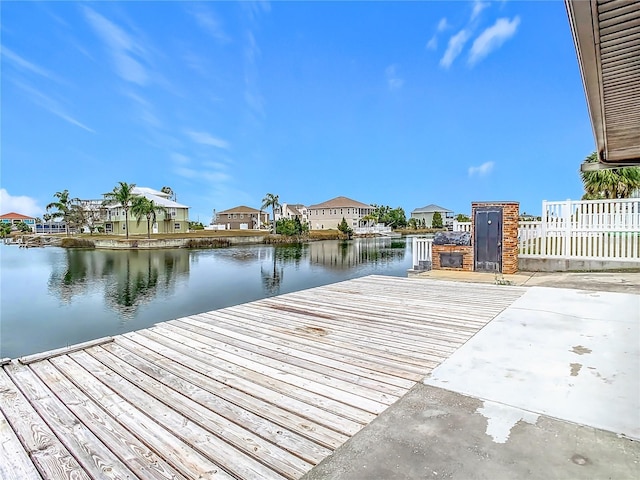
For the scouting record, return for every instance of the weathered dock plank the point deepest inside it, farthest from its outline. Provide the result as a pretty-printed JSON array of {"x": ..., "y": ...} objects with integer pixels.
[{"x": 261, "y": 390}]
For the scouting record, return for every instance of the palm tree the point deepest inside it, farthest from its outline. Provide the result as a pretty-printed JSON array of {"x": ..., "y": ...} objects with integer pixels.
[
  {"x": 143, "y": 207},
  {"x": 169, "y": 191},
  {"x": 271, "y": 200},
  {"x": 63, "y": 207},
  {"x": 122, "y": 194},
  {"x": 611, "y": 183}
]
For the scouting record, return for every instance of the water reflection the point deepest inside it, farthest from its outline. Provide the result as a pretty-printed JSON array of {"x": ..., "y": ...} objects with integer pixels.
[
  {"x": 52, "y": 297},
  {"x": 129, "y": 278}
]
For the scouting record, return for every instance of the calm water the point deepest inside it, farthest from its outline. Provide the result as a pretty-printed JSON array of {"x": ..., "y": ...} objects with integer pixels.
[{"x": 54, "y": 297}]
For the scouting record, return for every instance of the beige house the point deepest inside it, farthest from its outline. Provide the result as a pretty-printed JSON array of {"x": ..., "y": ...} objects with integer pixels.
[
  {"x": 241, "y": 218},
  {"x": 329, "y": 214},
  {"x": 175, "y": 219}
]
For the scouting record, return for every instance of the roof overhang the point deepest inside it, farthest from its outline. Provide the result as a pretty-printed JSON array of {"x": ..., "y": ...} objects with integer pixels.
[{"x": 606, "y": 34}]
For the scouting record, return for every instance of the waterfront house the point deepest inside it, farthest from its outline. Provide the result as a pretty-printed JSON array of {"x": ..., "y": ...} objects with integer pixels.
[
  {"x": 175, "y": 218},
  {"x": 14, "y": 218},
  {"x": 292, "y": 211},
  {"x": 241, "y": 218},
  {"x": 426, "y": 214},
  {"x": 329, "y": 214}
]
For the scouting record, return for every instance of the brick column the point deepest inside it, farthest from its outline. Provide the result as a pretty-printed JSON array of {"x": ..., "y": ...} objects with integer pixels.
[{"x": 510, "y": 214}]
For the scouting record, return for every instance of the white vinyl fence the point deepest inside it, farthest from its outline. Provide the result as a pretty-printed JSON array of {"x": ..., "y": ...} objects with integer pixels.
[{"x": 584, "y": 230}]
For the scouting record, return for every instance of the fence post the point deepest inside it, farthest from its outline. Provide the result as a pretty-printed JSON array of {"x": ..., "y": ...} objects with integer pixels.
[
  {"x": 414, "y": 253},
  {"x": 543, "y": 229},
  {"x": 566, "y": 244}
]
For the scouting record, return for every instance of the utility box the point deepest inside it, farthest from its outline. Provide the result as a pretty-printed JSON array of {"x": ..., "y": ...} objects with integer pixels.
[{"x": 495, "y": 236}]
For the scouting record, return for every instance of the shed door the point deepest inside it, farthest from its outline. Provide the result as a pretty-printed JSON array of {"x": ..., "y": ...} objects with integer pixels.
[{"x": 488, "y": 240}]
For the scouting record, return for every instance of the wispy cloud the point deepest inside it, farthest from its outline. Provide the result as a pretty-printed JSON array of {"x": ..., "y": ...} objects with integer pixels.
[
  {"x": 454, "y": 47},
  {"x": 23, "y": 64},
  {"x": 51, "y": 105},
  {"x": 209, "y": 22},
  {"x": 205, "y": 138},
  {"x": 207, "y": 175},
  {"x": 478, "y": 7},
  {"x": 443, "y": 25},
  {"x": 252, "y": 93},
  {"x": 492, "y": 38},
  {"x": 393, "y": 79},
  {"x": 432, "y": 44},
  {"x": 180, "y": 159},
  {"x": 481, "y": 170},
  {"x": 126, "y": 53},
  {"x": 19, "y": 204}
]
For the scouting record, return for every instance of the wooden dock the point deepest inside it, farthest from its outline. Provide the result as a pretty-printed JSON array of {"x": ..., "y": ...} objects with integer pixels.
[{"x": 261, "y": 390}]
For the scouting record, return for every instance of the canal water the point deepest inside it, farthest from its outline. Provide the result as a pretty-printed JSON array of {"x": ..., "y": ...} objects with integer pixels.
[{"x": 54, "y": 297}]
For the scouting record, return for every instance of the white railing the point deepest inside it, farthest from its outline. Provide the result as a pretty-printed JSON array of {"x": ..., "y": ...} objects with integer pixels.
[
  {"x": 421, "y": 251},
  {"x": 586, "y": 229},
  {"x": 461, "y": 226},
  {"x": 373, "y": 229}
]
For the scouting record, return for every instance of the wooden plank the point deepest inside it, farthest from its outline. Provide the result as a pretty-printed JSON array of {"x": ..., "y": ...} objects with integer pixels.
[
  {"x": 36, "y": 357},
  {"x": 15, "y": 463},
  {"x": 354, "y": 399},
  {"x": 194, "y": 388},
  {"x": 144, "y": 462},
  {"x": 199, "y": 438},
  {"x": 337, "y": 406},
  {"x": 318, "y": 415},
  {"x": 95, "y": 459},
  {"x": 235, "y": 434},
  {"x": 180, "y": 454},
  {"x": 200, "y": 373},
  {"x": 262, "y": 356},
  {"x": 48, "y": 454}
]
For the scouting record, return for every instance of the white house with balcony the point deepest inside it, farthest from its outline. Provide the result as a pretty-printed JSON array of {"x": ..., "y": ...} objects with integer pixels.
[{"x": 174, "y": 219}]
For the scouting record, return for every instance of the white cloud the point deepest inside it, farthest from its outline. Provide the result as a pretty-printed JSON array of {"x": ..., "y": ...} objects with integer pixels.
[
  {"x": 207, "y": 139},
  {"x": 192, "y": 173},
  {"x": 481, "y": 170},
  {"x": 443, "y": 25},
  {"x": 393, "y": 80},
  {"x": 51, "y": 105},
  {"x": 19, "y": 204},
  {"x": 23, "y": 64},
  {"x": 180, "y": 159},
  {"x": 454, "y": 48},
  {"x": 433, "y": 43},
  {"x": 478, "y": 6},
  {"x": 492, "y": 38},
  {"x": 209, "y": 22},
  {"x": 122, "y": 48}
]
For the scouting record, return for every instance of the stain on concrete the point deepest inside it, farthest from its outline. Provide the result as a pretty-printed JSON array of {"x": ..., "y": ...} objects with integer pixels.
[
  {"x": 502, "y": 418},
  {"x": 575, "y": 369},
  {"x": 579, "y": 459},
  {"x": 580, "y": 350}
]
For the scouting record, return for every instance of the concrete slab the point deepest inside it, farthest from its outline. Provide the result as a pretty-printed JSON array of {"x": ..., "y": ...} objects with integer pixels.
[
  {"x": 569, "y": 354},
  {"x": 435, "y": 433}
]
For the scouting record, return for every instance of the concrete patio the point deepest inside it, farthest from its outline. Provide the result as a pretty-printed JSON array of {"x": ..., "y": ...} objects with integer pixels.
[{"x": 550, "y": 388}]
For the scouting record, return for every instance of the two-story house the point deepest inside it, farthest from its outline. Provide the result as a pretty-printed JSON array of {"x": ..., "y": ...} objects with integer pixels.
[
  {"x": 174, "y": 218},
  {"x": 14, "y": 218},
  {"x": 291, "y": 211},
  {"x": 426, "y": 214},
  {"x": 241, "y": 218},
  {"x": 329, "y": 214}
]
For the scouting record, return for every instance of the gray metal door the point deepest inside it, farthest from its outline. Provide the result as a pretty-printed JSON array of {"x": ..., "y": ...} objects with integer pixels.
[{"x": 488, "y": 239}]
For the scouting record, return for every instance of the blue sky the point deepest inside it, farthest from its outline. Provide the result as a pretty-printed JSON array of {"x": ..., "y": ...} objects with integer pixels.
[{"x": 394, "y": 103}]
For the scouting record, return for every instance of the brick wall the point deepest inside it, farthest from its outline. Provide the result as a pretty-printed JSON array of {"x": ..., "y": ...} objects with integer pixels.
[
  {"x": 510, "y": 214},
  {"x": 467, "y": 256}
]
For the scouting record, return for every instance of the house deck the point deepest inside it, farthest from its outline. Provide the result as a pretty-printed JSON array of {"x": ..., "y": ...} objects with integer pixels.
[{"x": 263, "y": 390}]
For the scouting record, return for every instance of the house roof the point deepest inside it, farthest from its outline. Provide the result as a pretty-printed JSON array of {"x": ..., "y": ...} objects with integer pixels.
[
  {"x": 15, "y": 216},
  {"x": 432, "y": 208},
  {"x": 605, "y": 34},
  {"x": 341, "y": 202},
  {"x": 240, "y": 209},
  {"x": 158, "y": 197}
]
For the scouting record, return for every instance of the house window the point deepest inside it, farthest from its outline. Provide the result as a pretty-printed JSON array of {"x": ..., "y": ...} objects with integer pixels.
[
  {"x": 124, "y": 227},
  {"x": 176, "y": 226},
  {"x": 229, "y": 215},
  {"x": 241, "y": 215},
  {"x": 235, "y": 216}
]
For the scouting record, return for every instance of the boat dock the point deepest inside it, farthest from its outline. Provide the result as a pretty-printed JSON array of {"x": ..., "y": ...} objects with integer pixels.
[{"x": 266, "y": 389}]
